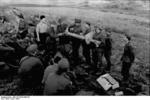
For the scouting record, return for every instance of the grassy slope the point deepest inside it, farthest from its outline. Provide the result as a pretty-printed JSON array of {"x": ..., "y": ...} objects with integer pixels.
[
  {"x": 137, "y": 27},
  {"x": 118, "y": 23}
]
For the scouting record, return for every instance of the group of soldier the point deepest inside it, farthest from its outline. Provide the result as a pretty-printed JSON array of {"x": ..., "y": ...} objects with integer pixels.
[{"x": 52, "y": 51}]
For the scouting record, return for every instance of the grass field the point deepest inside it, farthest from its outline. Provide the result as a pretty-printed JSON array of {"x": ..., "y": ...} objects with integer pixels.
[{"x": 119, "y": 23}]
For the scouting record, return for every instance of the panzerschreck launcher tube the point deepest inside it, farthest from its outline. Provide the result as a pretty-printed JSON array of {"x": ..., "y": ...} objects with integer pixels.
[{"x": 96, "y": 42}]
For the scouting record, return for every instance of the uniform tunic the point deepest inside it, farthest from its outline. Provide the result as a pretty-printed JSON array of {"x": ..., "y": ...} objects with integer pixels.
[{"x": 57, "y": 85}]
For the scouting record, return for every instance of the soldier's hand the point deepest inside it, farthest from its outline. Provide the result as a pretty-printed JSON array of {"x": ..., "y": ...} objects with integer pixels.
[
  {"x": 38, "y": 39},
  {"x": 57, "y": 39}
]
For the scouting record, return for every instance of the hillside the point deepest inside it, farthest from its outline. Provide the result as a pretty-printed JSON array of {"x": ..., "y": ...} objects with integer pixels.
[{"x": 120, "y": 17}]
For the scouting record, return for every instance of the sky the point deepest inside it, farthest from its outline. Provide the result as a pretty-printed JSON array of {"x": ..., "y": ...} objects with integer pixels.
[
  {"x": 25, "y": 1},
  {"x": 37, "y": 1},
  {"x": 42, "y": 2}
]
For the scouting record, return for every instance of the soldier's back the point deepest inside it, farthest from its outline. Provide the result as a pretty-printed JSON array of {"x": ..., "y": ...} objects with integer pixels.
[{"x": 56, "y": 83}]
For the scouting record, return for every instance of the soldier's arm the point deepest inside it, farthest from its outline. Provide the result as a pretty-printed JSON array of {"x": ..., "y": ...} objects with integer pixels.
[
  {"x": 37, "y": 32},
  {"x": 132, "y": 55},
  {"x": 123, "y": 52}
]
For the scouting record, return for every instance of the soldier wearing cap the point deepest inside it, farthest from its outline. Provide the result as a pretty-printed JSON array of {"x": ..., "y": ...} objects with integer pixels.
[
  {"x": 77, "y": 29},
  {"x": 58, "y": 83},
  {"x": 127, "y": 59}
]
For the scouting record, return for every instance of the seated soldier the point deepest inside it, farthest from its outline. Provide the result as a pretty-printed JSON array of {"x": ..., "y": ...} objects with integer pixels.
[
  {"x": 58, "y": 83},
  {"x": 51, "y": 69},
  {"x": 31, "y": 68}
]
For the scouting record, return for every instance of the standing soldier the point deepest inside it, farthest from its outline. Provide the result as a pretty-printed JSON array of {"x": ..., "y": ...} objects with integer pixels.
[
  {"x": 127, "y": 59},
  {"x": 22, "y": 29},
  {"x": 61, "y": 28},
  {"x": 86, "y": 46},
  {"x": 77, "y": 29},
  {"x": 97, "y": 52},
  {"x": 42, "y": 32},
  {"x": 107, "y": 50},
  {"x": 64, "y": 40}
]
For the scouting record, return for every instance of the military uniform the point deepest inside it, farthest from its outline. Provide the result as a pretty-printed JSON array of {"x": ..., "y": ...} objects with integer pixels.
[
  {"x": 76, "y": 43},
  {"x": 107, "y": 51},
  {"x": 22, "y": 29},
  {"x": 58, "y": 83},
  {"x": 127, "y": 60},
  {"x": 50, "y": 69},
  {"x": 61, "y": 28},
  {"x": 97, "y": 52},
  {"x": 31, "y": 71},
  {"x": 85, "y": 45},
  {"x": 64, "y": 41}
]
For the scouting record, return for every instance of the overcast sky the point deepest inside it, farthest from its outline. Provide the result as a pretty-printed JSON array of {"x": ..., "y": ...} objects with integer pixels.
[{"x": 37, "y": 1}]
